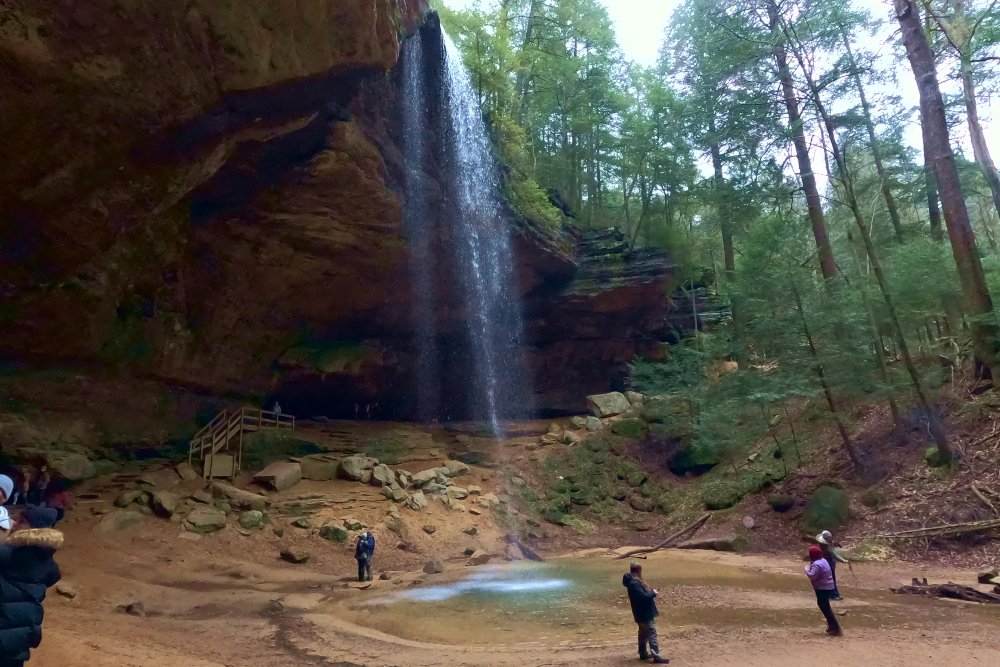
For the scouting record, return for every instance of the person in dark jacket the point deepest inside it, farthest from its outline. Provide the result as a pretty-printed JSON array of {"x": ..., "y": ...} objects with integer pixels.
[
  {"x": 27, "y": 569},
  {"x": 644, "y": 612},
  {"x": 364, "y": 550}
]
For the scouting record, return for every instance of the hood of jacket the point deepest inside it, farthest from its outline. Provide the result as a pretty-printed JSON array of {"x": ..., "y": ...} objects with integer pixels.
[
  {"x": 44, "y": 538},
  {"x": 627, "y": 579}
]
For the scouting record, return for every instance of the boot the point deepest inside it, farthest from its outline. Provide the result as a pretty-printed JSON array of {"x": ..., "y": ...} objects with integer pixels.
[{"x": 657, "y": 660}]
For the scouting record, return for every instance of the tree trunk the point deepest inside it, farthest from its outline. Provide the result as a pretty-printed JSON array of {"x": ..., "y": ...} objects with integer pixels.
[
  {"x": 980, "y": 149},
  {"x": 796, "y": 126},
  {"x": 890, "y": 202},
  {"x": 937, "y": 148}
]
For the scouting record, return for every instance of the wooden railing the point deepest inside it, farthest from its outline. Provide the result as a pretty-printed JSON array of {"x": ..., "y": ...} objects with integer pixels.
[{"x": 227, "y": 428}]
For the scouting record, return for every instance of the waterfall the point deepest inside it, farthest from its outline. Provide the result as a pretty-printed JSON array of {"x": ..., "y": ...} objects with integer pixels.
[
  {"x": 418, "y": 225},
  {"x": 465, "y": 238},
  {"x": 494, "y": 325}
]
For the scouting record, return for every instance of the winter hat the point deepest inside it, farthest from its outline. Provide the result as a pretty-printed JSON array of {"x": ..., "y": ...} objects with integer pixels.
[
  {"x": 815, "y": 553},
  {"x": 40, "y": 517},
  {"x": 6, "y": 485},
  {"x": 4, "y": 518}
]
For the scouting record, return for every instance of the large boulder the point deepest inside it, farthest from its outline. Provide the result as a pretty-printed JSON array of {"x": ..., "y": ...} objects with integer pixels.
[
  {"x": 672, "y": 411},
  {"x": 456, "y": 468},
  {"x": 295, "y": 555},
  {"x": 333, "y": 532},
  {"x": 165, "y": 478},
  {"x": 319, "y": 467},
  {"x": 479, "y": 557},
  {"x": 382, "y": 475},
  {"x": 165, "y": 503},
  {"x": 280, "y": 475},
  {"x": 127, "y": 497},
  {"x": 70, "y": 465},
  {"x": 632, "y": 428},
  {"x": 608, "y": 405},
  {"x": 353, "y": 467},
  {"x": 114, "y": 522},
  {"x": 417, "y": 501},
  {"x": 427, "y": 476},
  {"x": 238, "y": 498},
  {"x": 251, "y": 519},
  {"x": 204, "y": 519}
]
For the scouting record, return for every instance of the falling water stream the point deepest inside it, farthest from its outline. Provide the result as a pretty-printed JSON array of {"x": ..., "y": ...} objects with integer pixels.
[{"x": 477, "y": 241}]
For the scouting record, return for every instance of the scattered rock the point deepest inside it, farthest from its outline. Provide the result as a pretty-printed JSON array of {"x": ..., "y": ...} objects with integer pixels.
[
  {"x": 641, "y": 503},
  {"x": 382, "y": 475},
  {"x": 186, "y": 472},
  {"x": 204, "y": 519},
  {"x": 469, "y": 551},
  {"x": 302, "y": 522},
  {"x": 366, "y": 476},
  {"x": 471, "y": 530},
  {"x": 251, "y": 519},
  {"x": 425, "y": 477},
  {"x": 634, "y": 398},
  {"x": 396, "y": 525},
  {"x": 458, "y": 492},
  {"x": 475, "y": 490},
  {"x": 572, "y": 438},
  {"x": 127, "y": 497},
  {"x": 294, "y": 555},
  {"x": 351, "y": 523},
  {"x": 353, "y": 467},
  {"x": 165, "y": 503},
  {"x": 475, "y": 510},
  {"x": 385, "y": 576},
  {"x": 987, "y": 577},
  {"x": 70, "y": 465},
  {"x": 593, "y": 424},
  {"x": 579, "y": 422},
  {"x": 430, "y": 529},
  {"x": 279, "y": 531},
  {"x": 434, "y": 567},
  {"x": 671, "y": 410},
  {"x": 550, "y": 439},
  {"x": 119, "y": 520},
  {"x": 435, "y": 488},
  {"x": 239, "y": 498},
  {"x": 608, "y": 405},
  {"x": 478, "y": 557},
  {"x": 732, "y": 544},
  {"x": 202, "y": 496},
  {"x": 488, "y": 500},
  {"x": 456, "y": 468},
  {"x": 280, "y": 475},
  {"x": 417, "y": 501},
  {"x": 555, "y": 429},
  {"x": 67, "y": 590},
  {"x": 333, "y": 532},
  {"x": 133, "y": 609}
]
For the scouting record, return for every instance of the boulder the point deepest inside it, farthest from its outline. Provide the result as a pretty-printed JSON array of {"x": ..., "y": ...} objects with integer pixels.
[
  {"x": 417, "y": 501},
  {"x": 731, "y": 544},
  {"x": 294, "y": 555},
  {"x": 671, "y": 410},
  {"x": 351, "y": 523},
  {"x": 456, "y": 468},
  {"x": 488, "y": 500},
  {"x": 607, "y": 405},
  {"x": 353, "y": 467},
  {"x": 593, "y": 424},
  {"x": 404, "y": 478},
  {"x": 430, "y": 529},
  {"x": 127, "y": 497},
  {"x": 202, "y": 496},
  {"x": 382, "y": 475},
  {"x": 572, "y": 437},
  {"x": 366, "y": 476},
  {"x": 67, "y": 590},
  {"x": 72, "y": 466},
  {"x": 424, "y": 477},
  {"x": 319, "y": 467},
  {"x": 239, "y": 498},
  {"x": 395, "y": 524},
  {"x": 251, "y": 519},
  {"x": 641, "y": 503},
  {"x": 434, "y": 567},
  {"x": 302, "y": 522},
  {"x": 204, "y": 519},
  {"x": 632, "y": 428},
  {"x": 471, "y": 530},
  {"x": 475, "y": 490},
  {"x": 333, "y": 532},
  {"x": 550, "y": 439},
  {"x": 186, "y": 472},
  {"x": 579, "y": 422},
  {"x": 165, "y": 479},
  {"x": 280, "y": 475},
  {"x": 434, "y": 487},
  {"x": 398, "y": 495},
  {"x": 634, "y": 398},
  {"x": 478, "y": 557},
  {"x": 116, "y": 521},
  {"x": 475, "y": 510},
  {"x": 458, "y": 492},
  {"x": 165, "y": 503},
  {"x": 555, "y": 429}
]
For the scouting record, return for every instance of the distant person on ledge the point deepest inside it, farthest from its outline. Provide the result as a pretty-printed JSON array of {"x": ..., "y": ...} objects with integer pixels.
[
  {"x": 644, "y": 612},
  {"x": 277, "y": 410}
]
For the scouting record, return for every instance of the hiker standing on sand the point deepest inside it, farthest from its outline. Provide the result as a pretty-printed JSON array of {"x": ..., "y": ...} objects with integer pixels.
[
  {"x": 27, "y": 569},
  {"x": 829, "y": 549},
  {"x": 821, "y": 575},
  {"x": 644, "y": 612},
  {"x": 364, "y": 551}
]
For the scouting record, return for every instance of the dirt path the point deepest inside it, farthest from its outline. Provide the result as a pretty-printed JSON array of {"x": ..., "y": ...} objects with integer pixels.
[{"x": 719, "y": 610}]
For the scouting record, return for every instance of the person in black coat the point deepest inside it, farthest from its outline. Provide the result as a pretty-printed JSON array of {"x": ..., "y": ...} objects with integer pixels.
[
  {"x": 644, "y": 612},
  {"x": 27, "y": 570}
]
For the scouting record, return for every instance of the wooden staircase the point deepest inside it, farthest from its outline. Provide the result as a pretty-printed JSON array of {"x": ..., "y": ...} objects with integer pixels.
[{"x": 219, "y": 445}]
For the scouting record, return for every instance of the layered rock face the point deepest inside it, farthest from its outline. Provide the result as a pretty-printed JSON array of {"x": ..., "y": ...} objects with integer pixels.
[{"x": 210, "y": 193}]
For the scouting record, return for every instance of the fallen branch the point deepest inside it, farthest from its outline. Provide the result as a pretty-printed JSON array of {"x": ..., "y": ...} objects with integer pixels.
[
  {"x": 949, "y": 590},
  {"x": 937, "y": 531},
  {"x": 690, "y": 528},
  {"x": 979, "y": 494}
]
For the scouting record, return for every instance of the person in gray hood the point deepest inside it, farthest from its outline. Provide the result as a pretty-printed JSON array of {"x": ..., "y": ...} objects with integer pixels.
[{"x": 644, "y": 612}]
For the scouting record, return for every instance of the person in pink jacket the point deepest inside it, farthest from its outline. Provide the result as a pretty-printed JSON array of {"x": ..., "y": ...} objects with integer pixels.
[{"x": 821, "y": 576}]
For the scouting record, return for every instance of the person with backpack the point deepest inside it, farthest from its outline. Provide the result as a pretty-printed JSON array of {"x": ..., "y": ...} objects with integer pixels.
[
  {"x": 27, "y": 570},
  {"x": 364, "y": 551},
  {"x": 821, "y": 576},
  {"x": 644, "y": 613}
]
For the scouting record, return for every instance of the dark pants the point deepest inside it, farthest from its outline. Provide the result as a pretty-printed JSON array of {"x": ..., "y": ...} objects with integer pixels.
[
  {"x": 647, "y": 635},
  {"x": 823, "y": 601},
  {"x": 833, "y": 571},
  {"x": 364, "y": 569}
]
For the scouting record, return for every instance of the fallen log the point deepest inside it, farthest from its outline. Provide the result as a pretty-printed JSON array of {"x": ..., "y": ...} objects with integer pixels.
[
  {"x": 691, "y": 528},
  {"x": 949, "y": 590},
  {"x": 937, "y": 531}
]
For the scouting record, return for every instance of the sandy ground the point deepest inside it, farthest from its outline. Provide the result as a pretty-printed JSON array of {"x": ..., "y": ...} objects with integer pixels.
[{"x": 210, "y": 602}]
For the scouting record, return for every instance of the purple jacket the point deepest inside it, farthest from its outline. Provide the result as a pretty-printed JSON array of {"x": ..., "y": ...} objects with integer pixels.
[{"x": 820, "y": 575}]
